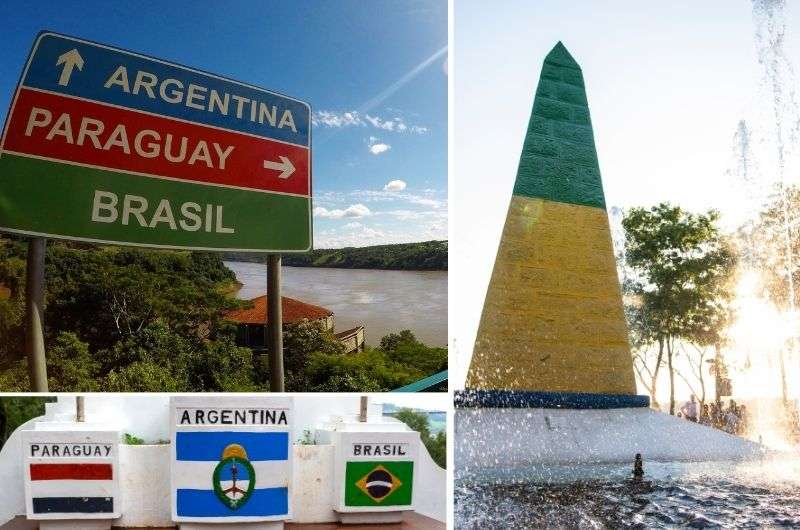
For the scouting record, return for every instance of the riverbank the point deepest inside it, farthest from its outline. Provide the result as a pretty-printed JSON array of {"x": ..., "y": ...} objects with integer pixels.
[{"x": 422, "y": 256}]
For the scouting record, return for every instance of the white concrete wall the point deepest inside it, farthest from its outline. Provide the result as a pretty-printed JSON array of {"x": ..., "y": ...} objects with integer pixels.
[
  {"x": 12, "y": 501},
  {"x": 312, "y": 487},
  {"x": 144, "y": 469},
  {"x": 504, "y": 439},
  {"x": 431, "y": 484},
  {"x": 147, "y": 416},
  {"x": 144, "y": 473}
]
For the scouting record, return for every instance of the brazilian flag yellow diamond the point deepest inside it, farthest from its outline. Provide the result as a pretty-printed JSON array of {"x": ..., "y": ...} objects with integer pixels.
[{"x": 379, "y": 483}]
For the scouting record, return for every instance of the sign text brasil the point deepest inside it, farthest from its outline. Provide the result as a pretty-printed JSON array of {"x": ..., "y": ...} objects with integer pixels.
[{"x": 110, "y": 146}]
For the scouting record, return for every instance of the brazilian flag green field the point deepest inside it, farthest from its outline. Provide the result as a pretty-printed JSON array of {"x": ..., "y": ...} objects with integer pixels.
[{"x": 377, "y": 483}]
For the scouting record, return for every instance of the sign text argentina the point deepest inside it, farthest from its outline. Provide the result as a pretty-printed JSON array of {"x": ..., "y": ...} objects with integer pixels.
[{"x": 111, "y": 146}]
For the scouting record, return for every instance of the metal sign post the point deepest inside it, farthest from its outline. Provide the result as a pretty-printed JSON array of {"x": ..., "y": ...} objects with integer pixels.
[
  {"x": 275, "y": 323},
  {"x": 34, "y": 315}
]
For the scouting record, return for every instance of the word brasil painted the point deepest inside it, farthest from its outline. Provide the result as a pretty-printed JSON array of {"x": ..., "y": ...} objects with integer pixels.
[{"x": 110, "y": 146}]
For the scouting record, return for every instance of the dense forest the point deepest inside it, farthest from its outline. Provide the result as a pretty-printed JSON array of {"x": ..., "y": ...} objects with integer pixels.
[
  {"x": 424, "y": 256},
  {"x": 130, "y": 320}
]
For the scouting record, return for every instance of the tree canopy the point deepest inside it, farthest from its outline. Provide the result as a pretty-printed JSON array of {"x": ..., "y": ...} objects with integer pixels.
[
  {"x": 130, "y": 320},
  {"x": 680, "y": 284}
]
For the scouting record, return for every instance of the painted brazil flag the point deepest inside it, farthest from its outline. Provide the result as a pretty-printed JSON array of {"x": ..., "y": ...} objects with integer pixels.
[
  {"x": 111, "y": 146},
  {"x": 375, "y": 483}
]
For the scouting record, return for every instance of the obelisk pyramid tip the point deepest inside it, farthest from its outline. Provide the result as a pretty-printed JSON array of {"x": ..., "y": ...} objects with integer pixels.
[{"x": 560, "y": 56}]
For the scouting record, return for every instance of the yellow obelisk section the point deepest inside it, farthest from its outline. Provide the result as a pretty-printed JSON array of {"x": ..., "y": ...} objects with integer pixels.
[{"x": 553, "y": 319}]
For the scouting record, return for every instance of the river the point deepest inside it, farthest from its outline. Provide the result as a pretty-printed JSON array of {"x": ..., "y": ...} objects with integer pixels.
[{"x": 383, "y": 301}]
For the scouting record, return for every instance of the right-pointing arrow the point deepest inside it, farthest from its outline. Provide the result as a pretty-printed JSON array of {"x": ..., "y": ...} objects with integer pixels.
[{"x": 285, "y": 166}]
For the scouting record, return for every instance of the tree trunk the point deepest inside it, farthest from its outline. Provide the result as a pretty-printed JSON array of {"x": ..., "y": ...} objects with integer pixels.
[
  {"x": 702, "y": 382},
  {"x": 671, "y": 379},
  {"x": 655, "y": 373}
]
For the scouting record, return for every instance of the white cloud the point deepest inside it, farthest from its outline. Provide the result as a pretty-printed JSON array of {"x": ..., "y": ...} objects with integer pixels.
[
  {"x": 422, "y": 201},
  {"x": 352, "y": 118},
  {"x": 376, "y": 147},
  {"x": 355, "y": 211},
  {"x": 395, "y": 185},
  {"x": 337, "y": 119}
]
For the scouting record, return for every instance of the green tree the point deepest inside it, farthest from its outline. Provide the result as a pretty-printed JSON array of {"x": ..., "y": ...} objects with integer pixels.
[
  {"x": 301, "y": 340},
  {"x": 125, "y": 320},
  {"x": 770, "y": 245},
  {"x": 15, "y": 411},
  {"x": 418, "y": 421},
  {"x": 681, "y": 279},
  {"x": 406, "y": 350}
]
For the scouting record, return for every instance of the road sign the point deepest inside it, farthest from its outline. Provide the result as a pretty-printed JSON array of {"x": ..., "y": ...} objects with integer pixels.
[
  {"x": 111, "y": 146},
  {"x": 71, "y": 474},
  {"x": 231, "y": 458},
  {"x": 374, "y": 471}
]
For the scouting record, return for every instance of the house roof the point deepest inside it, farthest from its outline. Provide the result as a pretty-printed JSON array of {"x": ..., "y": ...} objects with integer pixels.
[{"x": 294, "y": 311}]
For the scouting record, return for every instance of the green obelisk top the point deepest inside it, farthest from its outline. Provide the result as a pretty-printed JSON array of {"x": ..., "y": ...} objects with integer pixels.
[{"x": 559, "y": 160}]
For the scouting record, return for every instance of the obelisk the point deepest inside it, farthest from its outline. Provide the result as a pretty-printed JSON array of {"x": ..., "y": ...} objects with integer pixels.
[{"x": 553, "y": 321}]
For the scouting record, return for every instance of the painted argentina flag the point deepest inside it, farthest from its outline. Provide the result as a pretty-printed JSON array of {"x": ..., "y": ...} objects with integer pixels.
[{"x": 231, "y": 463}]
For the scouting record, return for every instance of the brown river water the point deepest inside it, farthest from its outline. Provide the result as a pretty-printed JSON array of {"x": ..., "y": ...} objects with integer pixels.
[{"x": 383, "y": 301}]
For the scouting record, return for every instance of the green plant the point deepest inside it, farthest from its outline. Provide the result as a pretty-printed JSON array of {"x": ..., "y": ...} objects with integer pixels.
[
  {"x": 307, "y": 438},
  {"x": 129, "y": 439}
]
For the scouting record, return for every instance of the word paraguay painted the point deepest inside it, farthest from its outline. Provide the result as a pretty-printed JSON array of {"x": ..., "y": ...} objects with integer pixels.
[
  {"x": 232, "y": 416},
  {"x": 146, "y": 142},
  {"x": 109, "y": 146},
  {"x": 70, "y": 450}
]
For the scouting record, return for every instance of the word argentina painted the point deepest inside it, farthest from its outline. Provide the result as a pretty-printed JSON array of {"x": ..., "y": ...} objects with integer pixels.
[
  {"x": 231, "y": 462},
  {"x": 375, "y": 471},
  {"x": 71, "y": 475},
  {"x": 106, "y": 145}
]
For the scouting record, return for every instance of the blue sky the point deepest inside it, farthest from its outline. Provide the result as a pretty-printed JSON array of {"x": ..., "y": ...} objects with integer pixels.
[{"x": 374, "y": 73}]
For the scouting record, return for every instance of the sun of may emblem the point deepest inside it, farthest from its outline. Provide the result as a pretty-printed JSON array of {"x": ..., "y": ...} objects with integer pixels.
[
  {"x": 379, "y": 483},
  {"x": 234, "y": 477}
]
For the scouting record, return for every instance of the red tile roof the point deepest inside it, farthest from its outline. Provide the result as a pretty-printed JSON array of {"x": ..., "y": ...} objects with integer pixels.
[{"x": 294, "y": 311}]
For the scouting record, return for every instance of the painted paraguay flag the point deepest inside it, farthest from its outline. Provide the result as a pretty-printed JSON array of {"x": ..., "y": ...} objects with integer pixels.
[
  {"x": 231, "y": 474},
  {"x": 71, "y": 474},
  {"x": 71, "y": 488}
]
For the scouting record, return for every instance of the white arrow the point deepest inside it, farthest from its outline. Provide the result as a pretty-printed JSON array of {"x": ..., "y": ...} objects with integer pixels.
[
  {"x": 285, "y": 166},
  {"x": 70, "y": 60}
]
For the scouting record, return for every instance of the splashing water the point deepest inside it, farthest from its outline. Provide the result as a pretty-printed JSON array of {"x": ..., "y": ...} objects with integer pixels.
[{"x": 761, "y": 353}]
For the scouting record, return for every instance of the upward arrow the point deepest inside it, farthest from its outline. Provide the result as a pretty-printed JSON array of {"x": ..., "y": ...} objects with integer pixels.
[{"x": 70, "y": 60}]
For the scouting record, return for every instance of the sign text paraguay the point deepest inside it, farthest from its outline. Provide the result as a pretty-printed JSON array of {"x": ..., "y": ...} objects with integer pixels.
[{"x": 111, "y": 146}]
